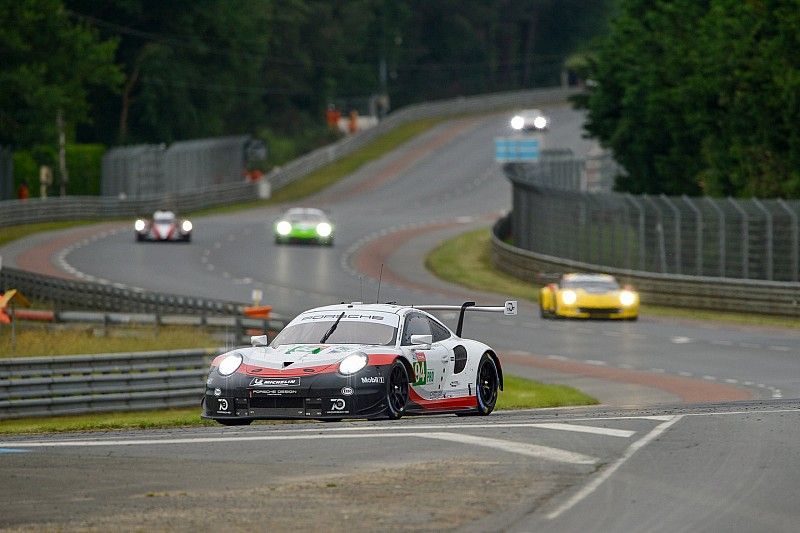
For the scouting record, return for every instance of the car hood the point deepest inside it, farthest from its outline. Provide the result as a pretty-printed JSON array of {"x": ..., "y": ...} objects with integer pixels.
[{"x": 294, "y": 356}]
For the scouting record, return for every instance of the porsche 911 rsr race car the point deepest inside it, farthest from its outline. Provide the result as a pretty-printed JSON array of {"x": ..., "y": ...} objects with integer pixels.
[
  {"x": 357, "y": 361},
  {"x": 304, "y": 224},
  {"x": 163, "y": 226},
  {"x": 588, "y": 296}
]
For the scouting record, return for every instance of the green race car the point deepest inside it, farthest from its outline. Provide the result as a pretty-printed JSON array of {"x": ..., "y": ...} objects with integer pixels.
[{"x": 304, "y": 225}]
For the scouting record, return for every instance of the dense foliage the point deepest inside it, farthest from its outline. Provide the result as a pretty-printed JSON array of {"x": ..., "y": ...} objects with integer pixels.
[
  {"x": 153, "y": 71},
  {"x": 701, "y": 96}
]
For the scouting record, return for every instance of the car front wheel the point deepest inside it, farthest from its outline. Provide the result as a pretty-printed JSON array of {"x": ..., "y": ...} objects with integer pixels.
[
  {"x": 235, "y": 421},
  {"x": 397, "y": 391}
]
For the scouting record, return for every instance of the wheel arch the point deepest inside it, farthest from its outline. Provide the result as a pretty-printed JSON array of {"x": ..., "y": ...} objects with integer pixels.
[
  {"x": 496, "y": 360},
  {"x": 409, "y": 369}
]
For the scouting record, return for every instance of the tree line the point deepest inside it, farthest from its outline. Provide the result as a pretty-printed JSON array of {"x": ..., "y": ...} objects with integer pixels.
[
  {"x": 700, "y": 96},
  {"x": 131, "y": 71}
]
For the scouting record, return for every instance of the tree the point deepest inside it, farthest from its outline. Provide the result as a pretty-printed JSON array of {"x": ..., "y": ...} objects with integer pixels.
[
  {"x": 700, "y": 96},
  {"x": 50, "y": 63}
]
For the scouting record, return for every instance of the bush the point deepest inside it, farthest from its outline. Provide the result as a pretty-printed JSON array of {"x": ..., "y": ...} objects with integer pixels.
[{"x": 83, "y": 164}]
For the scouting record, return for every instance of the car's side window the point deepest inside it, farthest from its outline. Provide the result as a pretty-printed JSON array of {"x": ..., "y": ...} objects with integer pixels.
[
  {"x": 440, "y": 332},
  {"x": 415, "y": 324}
]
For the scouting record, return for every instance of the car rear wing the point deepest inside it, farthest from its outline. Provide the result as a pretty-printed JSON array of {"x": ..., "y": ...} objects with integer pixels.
[{"x": 509, "y": 309}]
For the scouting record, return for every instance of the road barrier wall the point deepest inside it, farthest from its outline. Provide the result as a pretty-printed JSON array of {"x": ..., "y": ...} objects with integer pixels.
[
  {"x": 78, "y": 384},
  {"x": 695, "y": 292}
]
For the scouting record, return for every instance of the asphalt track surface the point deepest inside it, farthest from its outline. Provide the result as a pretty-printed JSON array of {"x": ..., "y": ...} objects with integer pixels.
[{"x": 730, "y": 467}]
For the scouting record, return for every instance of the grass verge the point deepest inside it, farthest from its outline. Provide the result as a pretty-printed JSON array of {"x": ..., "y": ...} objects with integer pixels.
[
  {"x": 519, "y": 393},
  {"x": 41, "y": 341},
  {"x": 465, "y": 260},
  {"x": 18, "y": 232}
]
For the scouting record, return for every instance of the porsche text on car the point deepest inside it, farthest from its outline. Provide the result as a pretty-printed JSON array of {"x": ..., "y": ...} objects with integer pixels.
[{"x": 357, "y": 361}]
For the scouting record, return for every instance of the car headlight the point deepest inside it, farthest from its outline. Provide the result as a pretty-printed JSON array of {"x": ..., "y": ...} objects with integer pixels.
[
  {"x": 139, "y": 225},
  {"x": 627, "y": 298},
  {"x": 569, "y": 297},
  {"x": 229, "y": 365},
  {"x": 517, "y": 122},
  {"x": 324, "y": 229},
  {"x": 283, "y": 228},
  {"x": 186, "y": 226},
  {"x": 540, "y": 123},
  {"x": 353, "y": 363}
]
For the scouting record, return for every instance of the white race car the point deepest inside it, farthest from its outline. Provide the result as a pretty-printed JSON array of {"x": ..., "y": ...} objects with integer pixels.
[
  {"x": 164, "y": 226},
  {"x": 357, "y": 361}
]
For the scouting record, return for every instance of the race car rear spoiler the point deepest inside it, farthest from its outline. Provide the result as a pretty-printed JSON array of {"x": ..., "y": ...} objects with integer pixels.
[{"x": 509, "y": 309}]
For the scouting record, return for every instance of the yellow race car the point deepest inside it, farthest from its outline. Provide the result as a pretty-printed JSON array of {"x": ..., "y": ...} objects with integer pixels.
[{"x": 588, "y": 296}]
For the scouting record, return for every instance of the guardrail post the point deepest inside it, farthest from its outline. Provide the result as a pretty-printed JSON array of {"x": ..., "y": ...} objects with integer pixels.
[
  {"x": 795, "y": 254},
  {"x": 746, "y": 242},
  {"x": 698, "y": 235},
  {"x": 721, "y": 214},
  {"x": 769, "y": 270}
]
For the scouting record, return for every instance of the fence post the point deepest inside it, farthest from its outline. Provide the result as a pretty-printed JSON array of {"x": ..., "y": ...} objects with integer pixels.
[
  {"x": 698, "y": 235},
  {"x": 721, "y": 236},
  {"x": 662, "y": 247},
  {"x": 746, "y": 243},
  {"x": 639, "y": 208},
  {"x": 769, "y": 270},
  {"x": 678, "y": 243},
  {"x": 795, "y": 255}
]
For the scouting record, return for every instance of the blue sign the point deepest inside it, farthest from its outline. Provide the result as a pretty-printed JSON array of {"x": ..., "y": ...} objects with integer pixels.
[{"x": 516, "y": 149}]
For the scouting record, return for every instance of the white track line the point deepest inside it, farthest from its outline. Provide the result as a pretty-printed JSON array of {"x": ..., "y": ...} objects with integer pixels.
[
  {"x": 608, "y": 472},
  {"x": 522, "y": 448}
]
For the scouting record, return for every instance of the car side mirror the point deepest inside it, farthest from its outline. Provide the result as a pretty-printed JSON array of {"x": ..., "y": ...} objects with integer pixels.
[
  {"x": 422, "y": 340},
  {"x": 259, "y": 340}
]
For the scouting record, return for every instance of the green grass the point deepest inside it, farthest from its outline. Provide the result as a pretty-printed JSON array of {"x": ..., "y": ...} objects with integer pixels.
[
  {"x": 35, "y": 340},
  {"x": 519, "y": 393},
  {"x": 19, "y": 232},
  {"x": 465, "y": 260}
]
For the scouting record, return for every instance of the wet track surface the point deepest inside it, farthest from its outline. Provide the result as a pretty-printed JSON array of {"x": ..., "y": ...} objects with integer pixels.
[{"x": 728, "y": 467}]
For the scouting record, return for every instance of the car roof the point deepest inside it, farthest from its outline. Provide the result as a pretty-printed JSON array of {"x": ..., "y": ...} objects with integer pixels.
[
  {"x": 305, "y": 211},
  {"x": 360, "y": 307},
  {"x": 588, "y": 277},
  {"x": 163, "y": 214}
]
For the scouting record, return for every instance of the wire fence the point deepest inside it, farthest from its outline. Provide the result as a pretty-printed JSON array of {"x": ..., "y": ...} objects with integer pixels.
[
  {"x": 6, "y": 173},
  {"x": 709, "y": 237}
]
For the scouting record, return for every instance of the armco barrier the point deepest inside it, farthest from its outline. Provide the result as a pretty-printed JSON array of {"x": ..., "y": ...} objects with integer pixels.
[
  {"x": 44, "y": 386},
  {"x": 720, "y": 294}
]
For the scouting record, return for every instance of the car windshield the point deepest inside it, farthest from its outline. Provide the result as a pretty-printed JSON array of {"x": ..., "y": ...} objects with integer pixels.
[
  {"x": 305, "y": 217},
  {"x": 591, "y": 285},
  {"x": 164, "y": 219},
  {"x": 346, "y": 332}
]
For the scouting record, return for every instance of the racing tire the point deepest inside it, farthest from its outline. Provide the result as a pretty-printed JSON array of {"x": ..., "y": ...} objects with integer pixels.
[
  {"x": 487, "y": 385},
  {"x": 397, "y": 391},
  {"x": 235, "y": 421}
]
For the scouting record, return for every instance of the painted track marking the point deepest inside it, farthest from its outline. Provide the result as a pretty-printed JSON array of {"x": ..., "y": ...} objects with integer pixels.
[{"x": 608, "y": 472}]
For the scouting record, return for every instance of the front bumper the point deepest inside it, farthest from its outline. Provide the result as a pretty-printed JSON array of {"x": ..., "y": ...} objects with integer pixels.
[
  {"x": 582, "y": 311},
  {"x": 318, "y": 396}
]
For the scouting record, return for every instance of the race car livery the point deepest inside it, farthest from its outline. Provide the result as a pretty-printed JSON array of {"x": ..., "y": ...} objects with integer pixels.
[
  {"x": 588, "y": 296},
  {"x": 304, "y": 225},
  {"x": 357, "y": 361},
  {"x": 163, "y": 226}
]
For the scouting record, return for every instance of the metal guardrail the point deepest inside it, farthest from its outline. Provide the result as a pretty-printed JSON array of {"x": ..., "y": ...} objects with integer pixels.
[
  {"x": 76, "y": 384},
  {"x": 66, "y": 293},
  {"x": 719, "y": 294}
]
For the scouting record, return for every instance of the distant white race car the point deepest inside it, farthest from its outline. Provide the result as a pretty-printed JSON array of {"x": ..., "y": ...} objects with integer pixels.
[
  {"x": 530, "y": 120},
  {"x": 163, "y": 226},
  {"x": 357, "y": 361}
]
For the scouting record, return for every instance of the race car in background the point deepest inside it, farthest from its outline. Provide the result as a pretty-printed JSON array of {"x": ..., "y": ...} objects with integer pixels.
[
  {"x": 530, "y": 121},
  {"x": 588, "y": 296},
  {"x": 357, "y": 361},
  {"x": 163, "y": 226},
  {"x": 304, "y": 224}
]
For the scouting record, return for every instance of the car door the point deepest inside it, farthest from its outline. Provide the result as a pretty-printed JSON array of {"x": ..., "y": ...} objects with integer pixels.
[{"x": 429, "y": 361}]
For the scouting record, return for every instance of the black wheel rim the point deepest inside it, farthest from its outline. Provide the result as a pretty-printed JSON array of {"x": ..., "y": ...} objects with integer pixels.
[
  {"x": 487, "y": 384},
  {"x": 398, "y": 389}
]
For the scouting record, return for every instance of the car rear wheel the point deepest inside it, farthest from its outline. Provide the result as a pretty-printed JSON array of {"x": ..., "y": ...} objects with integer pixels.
[
  {"x": 488, "y": 385},
  {"x": 235, "y": 421},
  {"x": 397, "y": 391}
]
